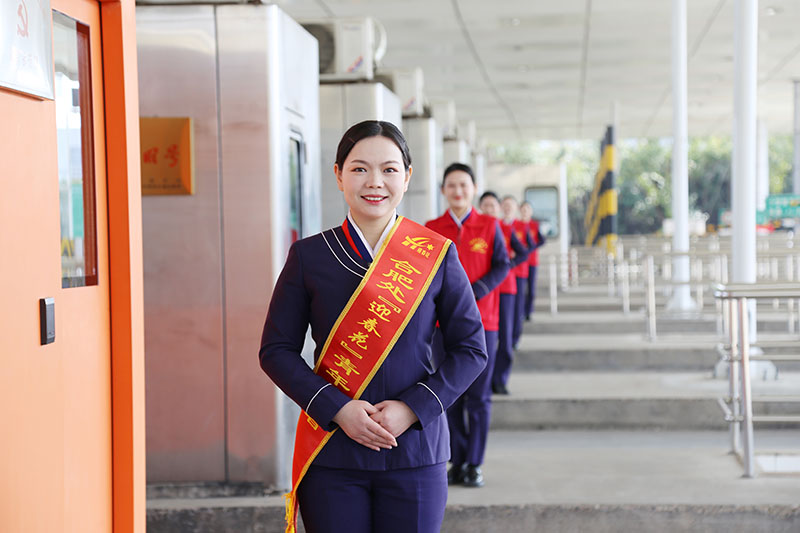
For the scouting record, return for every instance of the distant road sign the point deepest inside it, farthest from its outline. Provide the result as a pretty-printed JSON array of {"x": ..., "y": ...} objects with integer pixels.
[{"x": 783, "y": 205}]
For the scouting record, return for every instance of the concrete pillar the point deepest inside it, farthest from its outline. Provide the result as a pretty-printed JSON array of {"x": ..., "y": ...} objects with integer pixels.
[
  {"x": 681, "y": 296},
  {"x": 796, "y": 165},
  {"x": 743, "y": 187},
  {"x": 762, "y": 166},
  {"x": 744, "y": 150}
]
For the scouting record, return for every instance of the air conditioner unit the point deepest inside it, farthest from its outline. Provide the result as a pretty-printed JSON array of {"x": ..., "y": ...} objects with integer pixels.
[
  {"x": 408, "y": 85},
  {"x": 349, "y": 48}
]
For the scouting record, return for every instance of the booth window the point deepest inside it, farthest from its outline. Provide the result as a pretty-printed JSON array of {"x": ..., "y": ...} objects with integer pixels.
[
  {"x": 545, "y": 208},
  {"x": 76, "y": 176},
  {"x": 295, "y": 188}
]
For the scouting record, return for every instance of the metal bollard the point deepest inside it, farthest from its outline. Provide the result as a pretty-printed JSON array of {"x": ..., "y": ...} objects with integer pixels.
[
  {"x": 626, "y": 288},
  {"x": 748, "y": 453},
  {"x": 733, "y": 378},
  {"x": 651, "y": 298}
]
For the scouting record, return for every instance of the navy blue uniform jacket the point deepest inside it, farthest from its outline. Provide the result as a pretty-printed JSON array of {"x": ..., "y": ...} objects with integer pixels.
[{"x": 320, "y": 275}]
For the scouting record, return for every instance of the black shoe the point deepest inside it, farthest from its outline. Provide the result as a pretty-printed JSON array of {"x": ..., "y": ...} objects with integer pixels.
[
  {"x": 473, "y": 476},
  {"x": 500, "y": 389},
  {"x": 455, "y": 476}
]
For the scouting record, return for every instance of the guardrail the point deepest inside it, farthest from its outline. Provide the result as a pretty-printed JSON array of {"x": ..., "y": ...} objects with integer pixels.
[{"x": 738, "y": 405}]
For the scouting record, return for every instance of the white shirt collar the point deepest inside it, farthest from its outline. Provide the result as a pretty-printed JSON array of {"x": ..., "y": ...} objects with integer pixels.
[
  {"x": 455, "y": 218},
  {"x": 373, "y": 251}
]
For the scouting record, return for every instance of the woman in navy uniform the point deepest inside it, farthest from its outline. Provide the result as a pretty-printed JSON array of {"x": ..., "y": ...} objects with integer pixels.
[
  {"x": 482, "y": 251},
  {"x": 385, "y": 470}
]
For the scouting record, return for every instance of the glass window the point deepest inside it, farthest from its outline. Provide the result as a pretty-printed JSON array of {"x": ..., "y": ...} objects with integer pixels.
[
  {"x": 73, "y": 99},
  {"x": 545, "y": 208},
  {"x": 295, "y": 189}
]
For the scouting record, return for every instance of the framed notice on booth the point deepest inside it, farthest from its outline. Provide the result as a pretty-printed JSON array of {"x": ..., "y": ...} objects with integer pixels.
[
  {"x": 26, "y": 47},
  {"x": 167, "y": 145}
]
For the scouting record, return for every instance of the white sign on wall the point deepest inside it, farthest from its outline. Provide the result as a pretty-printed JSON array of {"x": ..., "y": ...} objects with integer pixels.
[{"x": 26, "y": 47}]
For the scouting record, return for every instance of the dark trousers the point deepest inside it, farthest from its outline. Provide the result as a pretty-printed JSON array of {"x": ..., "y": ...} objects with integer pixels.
[
  {"x": 410, "y": 500},
  {"x": 530, "y": 296},
  {"x": 519, "y": 311},
  {"x": 469, "y": 416},
  {"x": 505, "y": 350}
]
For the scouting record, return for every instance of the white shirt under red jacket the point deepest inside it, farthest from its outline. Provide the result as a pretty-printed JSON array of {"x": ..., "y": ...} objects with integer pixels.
[{"x": 482, "y": 252}]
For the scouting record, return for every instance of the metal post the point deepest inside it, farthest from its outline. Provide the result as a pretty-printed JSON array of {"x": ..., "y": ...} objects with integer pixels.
[
  {"x": 626, "y": 288},
  {"x": 733, "y": 378},
  {"x": 651, "y": 298},
  {"x": 796, "y": 159},
  {"x": 553, "y": 287},
  {"x": 748, "y": 453},
  {"x": 681, "y": 296}
]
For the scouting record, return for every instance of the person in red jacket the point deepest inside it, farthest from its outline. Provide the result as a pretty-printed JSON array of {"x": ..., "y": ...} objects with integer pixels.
[
  {"x": 526, "y": 213},
  {"x": 510, "y": 208},
  {"x": 482, "y": 252},
  {"x": 490, "y": 205}
]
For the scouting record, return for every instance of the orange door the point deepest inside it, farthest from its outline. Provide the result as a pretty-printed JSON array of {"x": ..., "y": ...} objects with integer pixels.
[{"x": 55, "y": 399}]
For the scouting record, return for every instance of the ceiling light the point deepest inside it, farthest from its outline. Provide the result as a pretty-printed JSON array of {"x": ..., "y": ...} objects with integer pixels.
[{"x": 771, "y": 11}]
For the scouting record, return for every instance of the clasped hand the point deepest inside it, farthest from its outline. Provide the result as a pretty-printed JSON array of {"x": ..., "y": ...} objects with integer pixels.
[{"x": 375, "y": 426}]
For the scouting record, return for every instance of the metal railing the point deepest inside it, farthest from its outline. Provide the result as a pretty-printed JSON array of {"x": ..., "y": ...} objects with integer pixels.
[{"x": 738, "y": 405}]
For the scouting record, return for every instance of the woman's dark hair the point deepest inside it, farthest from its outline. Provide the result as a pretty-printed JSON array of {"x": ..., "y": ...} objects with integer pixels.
[
  {"x": 372, "y": 128},
  {"x": 454, "y": 167},
  {"x": 489, "y": 194}
]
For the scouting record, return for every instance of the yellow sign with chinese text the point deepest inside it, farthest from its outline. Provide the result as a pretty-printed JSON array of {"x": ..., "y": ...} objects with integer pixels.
[{"x": 167, "y": 145}]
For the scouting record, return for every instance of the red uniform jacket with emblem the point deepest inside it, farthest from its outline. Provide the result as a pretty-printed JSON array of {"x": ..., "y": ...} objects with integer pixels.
[
  {"x": 481, "y": 250},
  {"x": 523, "y": 233},
  {"x": 538, "y": 240},
  {"x": 518, "y": 253}
]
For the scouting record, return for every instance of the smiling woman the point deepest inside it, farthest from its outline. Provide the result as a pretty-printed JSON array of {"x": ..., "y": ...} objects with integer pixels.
[
  {"x": 373, "y": 168},
  {"x": 372, "y": 290}
]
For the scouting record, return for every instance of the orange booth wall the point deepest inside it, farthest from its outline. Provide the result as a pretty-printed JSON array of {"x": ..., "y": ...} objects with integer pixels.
[{"x": 72, "y": 457}]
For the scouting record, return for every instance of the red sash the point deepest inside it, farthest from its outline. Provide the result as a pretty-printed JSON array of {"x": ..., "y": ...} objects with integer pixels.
[{"x": 367, "y": 329}]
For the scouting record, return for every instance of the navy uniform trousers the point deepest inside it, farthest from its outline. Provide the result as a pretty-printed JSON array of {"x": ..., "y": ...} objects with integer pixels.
[
  {"x": 530, "y": 297},
  {"x": 505, "y": 349},
  {"x": 519, "y": 311},
  {"x": 470, "y": 415},
  {"x": 332, "y": 500}
]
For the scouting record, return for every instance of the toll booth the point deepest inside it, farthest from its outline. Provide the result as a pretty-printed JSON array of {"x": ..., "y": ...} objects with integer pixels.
[{"x": 245, "y": 78}]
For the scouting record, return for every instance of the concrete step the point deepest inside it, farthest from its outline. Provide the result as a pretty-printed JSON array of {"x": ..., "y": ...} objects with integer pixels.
[
  {"x": 642, "y": 400},
  {"x": 569, "y": 481},
  {"x": 623, "y": 352}
]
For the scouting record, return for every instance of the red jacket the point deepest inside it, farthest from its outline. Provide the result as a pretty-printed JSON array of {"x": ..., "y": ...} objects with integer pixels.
[
  {"x": 479, "y": 243},
  {"x": 518, "y": 254},
  {"x": 523, "y": 233},
  {"x": 538, "y": 239}
]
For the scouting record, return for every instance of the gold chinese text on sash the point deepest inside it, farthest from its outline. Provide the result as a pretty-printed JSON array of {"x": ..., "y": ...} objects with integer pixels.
[{"x": 367, "y": 329}]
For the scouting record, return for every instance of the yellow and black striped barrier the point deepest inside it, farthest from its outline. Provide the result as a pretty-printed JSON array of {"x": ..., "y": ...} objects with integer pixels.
[{"x": 601, "y": 213}]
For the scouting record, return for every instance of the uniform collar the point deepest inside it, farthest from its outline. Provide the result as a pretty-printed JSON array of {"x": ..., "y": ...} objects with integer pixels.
[
  {"x": 361, "y": 245},
  {"x": 460, "y": 222}
]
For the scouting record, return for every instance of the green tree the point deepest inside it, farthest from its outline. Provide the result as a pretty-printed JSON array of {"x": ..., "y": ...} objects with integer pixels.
[{"x": 643, "y": 186}]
